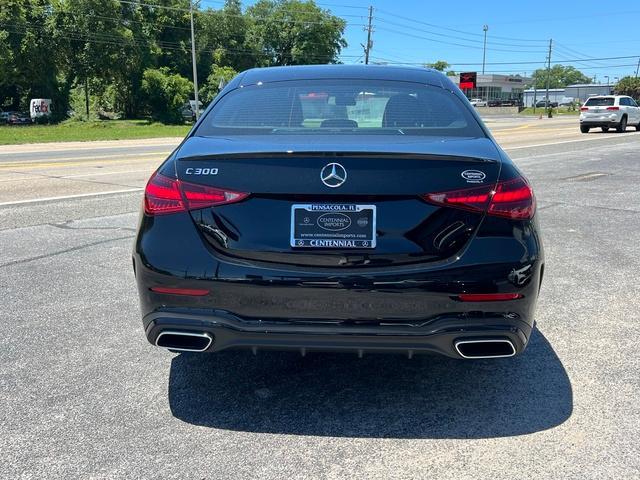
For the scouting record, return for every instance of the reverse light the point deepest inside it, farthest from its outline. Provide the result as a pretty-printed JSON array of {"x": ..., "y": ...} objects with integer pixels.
[
  {"x": 512, "y": 199},
  {"x": 164, "y": 195},
  {"x": 488, "y": 297}
]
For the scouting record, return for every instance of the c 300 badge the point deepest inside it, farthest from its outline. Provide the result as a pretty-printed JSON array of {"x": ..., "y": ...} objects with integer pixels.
[{"x": 473, "y": 176}]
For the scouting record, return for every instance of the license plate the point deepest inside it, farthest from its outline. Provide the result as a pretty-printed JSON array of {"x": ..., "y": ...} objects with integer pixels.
[{"x": 333, "y": 226}]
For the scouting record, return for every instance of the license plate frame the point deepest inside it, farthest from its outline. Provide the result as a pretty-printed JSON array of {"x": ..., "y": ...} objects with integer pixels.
[{"x": 322, "y": 226}]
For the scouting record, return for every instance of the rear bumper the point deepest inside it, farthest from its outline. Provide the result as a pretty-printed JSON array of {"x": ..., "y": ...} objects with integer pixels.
[
  {"x": 434, "y": 336},
  {"x": 411, "y": 309}
]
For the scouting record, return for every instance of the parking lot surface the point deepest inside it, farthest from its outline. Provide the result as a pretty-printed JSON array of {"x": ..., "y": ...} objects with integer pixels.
[{"x": 84, "y": 395}]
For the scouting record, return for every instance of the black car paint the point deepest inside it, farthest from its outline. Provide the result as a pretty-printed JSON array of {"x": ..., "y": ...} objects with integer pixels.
[{"x": 405, "y": 304}]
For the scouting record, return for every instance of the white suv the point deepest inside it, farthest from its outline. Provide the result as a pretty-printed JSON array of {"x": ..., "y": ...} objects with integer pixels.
[{"x": 609, "y": 111}]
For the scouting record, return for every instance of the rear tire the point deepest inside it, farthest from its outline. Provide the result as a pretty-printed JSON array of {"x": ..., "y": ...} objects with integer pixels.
[
  {"x": 584, "y": 129},
  {"x": 605, "y": 129},
  {"x": 622, "y": 126}
]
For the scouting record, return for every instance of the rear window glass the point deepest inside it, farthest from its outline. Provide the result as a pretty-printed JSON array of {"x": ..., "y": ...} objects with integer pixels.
[
  {"x": 600, "y": 102},
  {"x": 356, "y": 106}
]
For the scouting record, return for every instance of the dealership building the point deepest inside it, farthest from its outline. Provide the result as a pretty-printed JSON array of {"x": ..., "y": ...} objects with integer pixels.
[{"x": 496, "y": 87}]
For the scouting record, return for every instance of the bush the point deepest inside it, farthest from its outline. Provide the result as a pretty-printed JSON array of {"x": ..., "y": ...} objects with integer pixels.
[{"x": 165, "y": 94}]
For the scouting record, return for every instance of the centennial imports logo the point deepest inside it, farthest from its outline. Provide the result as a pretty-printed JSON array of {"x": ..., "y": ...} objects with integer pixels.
[
  {"x": 473, "y": 176},
  {"x": 334, "y": 222}
]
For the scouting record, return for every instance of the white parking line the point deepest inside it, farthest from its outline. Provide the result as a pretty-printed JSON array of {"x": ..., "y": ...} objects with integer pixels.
[{"x": 67, "y": 197}]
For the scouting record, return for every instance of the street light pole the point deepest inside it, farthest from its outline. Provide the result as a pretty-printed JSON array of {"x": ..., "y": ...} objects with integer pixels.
[
  {"x": 484, "y": 49},
  {"x": 193, "y": 61}
]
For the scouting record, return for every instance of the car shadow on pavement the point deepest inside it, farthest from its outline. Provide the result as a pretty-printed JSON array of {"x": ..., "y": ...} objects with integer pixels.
[{"x": 385, "y": 396}]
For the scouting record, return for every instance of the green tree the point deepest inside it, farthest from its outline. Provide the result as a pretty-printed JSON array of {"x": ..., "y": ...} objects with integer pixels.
[
  {"x": 165, "y": 94},
  {"x": 439, "y": 65},
  {"x": 293, "y": 32},
  {"x": 560, "y": 77},
  {"x": 628, "y": 86},
  {"x": 219, "y": 75},
  {"x": 29, "y": 65}
]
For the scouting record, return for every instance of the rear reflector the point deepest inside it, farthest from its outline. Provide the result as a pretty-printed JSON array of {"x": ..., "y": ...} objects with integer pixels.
[
  {"x": 512, "y": 199},
  {"x": 165, "y": 195},
  {"x": 193, "y": 292},
  {"x": 487, "y": 297}
]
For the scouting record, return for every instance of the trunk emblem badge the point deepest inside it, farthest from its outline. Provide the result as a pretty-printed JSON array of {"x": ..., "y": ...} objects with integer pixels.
[
  {"x": 473, "y": 176},
  {"x": 333, "y": 175}
]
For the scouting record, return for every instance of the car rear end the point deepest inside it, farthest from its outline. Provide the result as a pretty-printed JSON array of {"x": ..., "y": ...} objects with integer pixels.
[
  {"x": 601, "y": 111},
  {"x": 262, "y": 235}
]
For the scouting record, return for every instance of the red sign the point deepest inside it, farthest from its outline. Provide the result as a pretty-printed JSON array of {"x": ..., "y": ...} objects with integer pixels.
[{"x": 468, "y": 80}]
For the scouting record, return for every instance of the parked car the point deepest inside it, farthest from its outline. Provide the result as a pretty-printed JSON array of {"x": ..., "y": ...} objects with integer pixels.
[
  {"x": 19, "y": 119},
  {"x": 609, "y": 111},
  {"x": 544, "y": 103},
  {"x": 478, "y": 102},
  {"x": 494, "y": 103},
  {"x": 362, "y": 231},
  {"x": 4, "y": 116},
  {"x": 566, "y": 101}
]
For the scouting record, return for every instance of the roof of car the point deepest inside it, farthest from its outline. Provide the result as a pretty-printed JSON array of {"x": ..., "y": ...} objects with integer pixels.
[{"x": 376, "y": 72}]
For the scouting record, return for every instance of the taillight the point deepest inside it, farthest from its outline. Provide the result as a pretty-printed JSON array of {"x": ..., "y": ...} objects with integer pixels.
[
  {"x": 584, "y": 109},
  {"x": 512, "y": 199},
  {"x": 613, "y": 108},
  {"x": 162, "y": 195},
  {"x": 165, "y": 195},
  {"x": 487, "y": 297}
]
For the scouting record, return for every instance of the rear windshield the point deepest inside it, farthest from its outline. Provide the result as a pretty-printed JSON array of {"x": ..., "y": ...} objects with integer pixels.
[
  {"x": 600, "y": 102},
  {"x": 359, "y": 106}
]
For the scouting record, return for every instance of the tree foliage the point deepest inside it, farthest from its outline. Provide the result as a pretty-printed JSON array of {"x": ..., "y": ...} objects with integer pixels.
[
  {"x": 439, "y": 65},
  {"x": 628, "y": 86},
  {"x": 165, "y": 94},
  {"x": 218, "y": 77},
  {"x": 560, "y": 76},
  {"x": 291, "y": 32},
  {"x": 116, "y": 50}
]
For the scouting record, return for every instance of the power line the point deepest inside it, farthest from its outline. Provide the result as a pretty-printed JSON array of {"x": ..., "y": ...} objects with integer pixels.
[
  {"x": 409, "y": 19},
  {"x": 445, "y": 35},
  {"x": 453, "y": 43}
]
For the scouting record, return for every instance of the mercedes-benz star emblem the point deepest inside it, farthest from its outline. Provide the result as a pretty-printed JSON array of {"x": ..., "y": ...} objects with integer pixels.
[{"x": 333, "y": 175}]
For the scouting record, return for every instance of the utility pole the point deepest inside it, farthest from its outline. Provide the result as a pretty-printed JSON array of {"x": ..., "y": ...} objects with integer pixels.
[
  {"x": 549, "y": 78},
  {"x": 367, "y": 48},
  {"x": 638, "y": 67},
  {"x": 193, "y": 61},
  {"x": 484, "y": 49}
]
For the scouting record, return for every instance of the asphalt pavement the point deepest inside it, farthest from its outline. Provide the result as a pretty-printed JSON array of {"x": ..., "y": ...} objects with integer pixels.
[{"x": 83, "y": 395}]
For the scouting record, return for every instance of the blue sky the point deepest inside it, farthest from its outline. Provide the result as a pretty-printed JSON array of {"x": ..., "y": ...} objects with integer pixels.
[{"x": 518, "y": 32}]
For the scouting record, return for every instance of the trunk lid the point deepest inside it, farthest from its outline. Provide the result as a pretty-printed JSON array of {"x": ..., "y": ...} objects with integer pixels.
[{"x": 386, "y": 178}]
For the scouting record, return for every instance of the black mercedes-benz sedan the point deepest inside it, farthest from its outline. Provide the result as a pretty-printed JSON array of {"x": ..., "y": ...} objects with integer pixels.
[{"x": 342, "y": 208}]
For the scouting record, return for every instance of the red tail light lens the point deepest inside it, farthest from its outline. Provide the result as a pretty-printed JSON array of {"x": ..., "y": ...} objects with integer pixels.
[
  {"x": 510, "y": 199},
  {"x": 584, "y": 109},
  {"x": 613, "y": 108},
  {"x": 488, "y": 297},
  {"x": 165, "y": 195},
  {"x": 162, "y": 196},
  {"x": 513, "y": 199}
]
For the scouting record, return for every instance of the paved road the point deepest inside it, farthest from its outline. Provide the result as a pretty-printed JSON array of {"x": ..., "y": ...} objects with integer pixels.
[{"x": 84, "y": 395}]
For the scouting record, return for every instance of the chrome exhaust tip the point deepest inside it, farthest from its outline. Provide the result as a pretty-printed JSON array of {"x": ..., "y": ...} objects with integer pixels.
[
  {"x": 184, "y": 341},
  {"x": 493, "y": 348}
]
